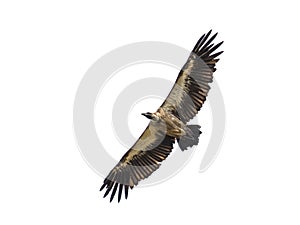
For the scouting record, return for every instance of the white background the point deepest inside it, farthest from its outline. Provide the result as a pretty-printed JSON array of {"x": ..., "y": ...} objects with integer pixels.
[{"x": 47, "y": 47}]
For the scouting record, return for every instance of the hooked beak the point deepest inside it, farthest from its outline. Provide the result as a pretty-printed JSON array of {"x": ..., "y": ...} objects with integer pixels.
[{"x": 148, "y": 115}]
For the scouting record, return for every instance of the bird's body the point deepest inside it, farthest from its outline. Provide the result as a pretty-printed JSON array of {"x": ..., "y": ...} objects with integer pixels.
[
  {"x": 169, "y": 123},
  {"x": 174, "y": 127}
]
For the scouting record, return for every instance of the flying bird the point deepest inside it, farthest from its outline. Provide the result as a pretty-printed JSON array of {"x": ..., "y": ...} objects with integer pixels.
[{"x": 169, "y": 123}]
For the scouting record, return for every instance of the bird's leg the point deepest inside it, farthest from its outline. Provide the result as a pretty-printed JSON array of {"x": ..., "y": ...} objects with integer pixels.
[{"x": 176, "y": 132}]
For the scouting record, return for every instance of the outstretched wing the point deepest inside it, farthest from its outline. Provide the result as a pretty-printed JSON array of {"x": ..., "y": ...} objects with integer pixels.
[
  {"x": 139, "y": 162},
  {"x": 192, "y": 85}
]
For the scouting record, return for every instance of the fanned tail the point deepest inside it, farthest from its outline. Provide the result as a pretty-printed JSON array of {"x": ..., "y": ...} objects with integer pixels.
[{"x": 191, "y": 138}]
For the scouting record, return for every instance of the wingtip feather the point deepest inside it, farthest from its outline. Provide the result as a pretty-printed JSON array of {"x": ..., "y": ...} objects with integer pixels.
[
  {"x": 126, "y": 191},
  {"x": 113, "y": 192},
  {"x": 120, "y": 192}
]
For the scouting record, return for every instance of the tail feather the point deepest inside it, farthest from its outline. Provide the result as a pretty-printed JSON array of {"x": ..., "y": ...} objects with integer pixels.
[{"x": 190, "y": 139}]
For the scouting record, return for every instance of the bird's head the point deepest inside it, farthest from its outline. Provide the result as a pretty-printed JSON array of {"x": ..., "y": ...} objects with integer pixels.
[{"x": 151, "y": 116}]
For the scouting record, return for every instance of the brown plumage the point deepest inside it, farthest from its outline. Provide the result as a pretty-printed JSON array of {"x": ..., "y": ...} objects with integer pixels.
[{"x": 169, "y": 122}]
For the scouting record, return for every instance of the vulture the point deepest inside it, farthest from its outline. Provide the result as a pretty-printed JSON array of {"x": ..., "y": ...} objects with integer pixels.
[{"x": 169, "y": 123}]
